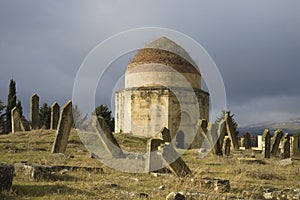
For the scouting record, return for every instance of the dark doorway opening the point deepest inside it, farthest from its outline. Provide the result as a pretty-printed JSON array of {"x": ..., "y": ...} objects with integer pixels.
[{"x": 180, "y": 140}]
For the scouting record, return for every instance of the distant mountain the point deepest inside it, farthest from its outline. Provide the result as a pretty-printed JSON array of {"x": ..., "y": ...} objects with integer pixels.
[{"x": 291, "y": 126}]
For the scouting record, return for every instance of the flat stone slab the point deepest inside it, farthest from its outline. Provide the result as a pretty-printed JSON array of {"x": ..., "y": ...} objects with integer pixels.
[
  {"x": 6, "y": 176},
  {"x": 251, "y": 161},
  {"x": 35, "y": 172}
]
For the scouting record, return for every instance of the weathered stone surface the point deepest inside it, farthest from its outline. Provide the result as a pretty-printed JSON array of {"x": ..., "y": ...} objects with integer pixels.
[
  {"x": 34, "y": 112},
  {"x": 174, "y": 162},
  {"x": 214, "y": 140},
  {"x": 6, "y": 176},
  {"x": 200, "y": 135},
  {"x": 286, "y": 148},
  {"x": 164, "y": 135},
  {"x": 275, "y": 142},
  {"x": 35, "y": 172},
  {"x": 221, "y": 131},
  {"x": 285, "y": 162},
  {"x": 227, "y": 147},
  {"x": 217, "y": 185},
  {"x": 55, "y": 109},
  {"x": 154, "y": 161},
  {"x": 64, "y": 127},
  {"x": 16, "y": 121},
  {"x": 251, "y": 161},
  {"x": 107, "y": 138},
  {"x": 175, "y": 196},
  {"x": 267, "y": 138},
  {"x": 231, "y": 131}
]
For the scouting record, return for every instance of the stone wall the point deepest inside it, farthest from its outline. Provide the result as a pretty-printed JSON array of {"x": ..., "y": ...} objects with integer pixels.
[{"x": 144, "y": 111}]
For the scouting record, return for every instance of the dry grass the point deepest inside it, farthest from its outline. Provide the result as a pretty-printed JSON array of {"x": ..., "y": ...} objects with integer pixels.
[{"x": 247, "y": 180}]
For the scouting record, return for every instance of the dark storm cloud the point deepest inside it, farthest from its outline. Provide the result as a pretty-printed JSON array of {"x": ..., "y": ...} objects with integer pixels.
[{"x": 255, "y": 44}]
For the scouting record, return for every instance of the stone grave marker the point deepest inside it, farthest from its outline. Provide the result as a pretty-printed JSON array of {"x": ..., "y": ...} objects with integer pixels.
[
  {"x": 275, "y": 142},
  {"x": 174, "y": 162},
  {"x": 231, "y": 131},
  {"x": 6, "y": 177},
  {"x": 34, "y": 112},
  {"x": 214, "y": 140},
  {"x": 154, "y": 161},
  {"x": 287, "y": 148},
  {"x": 65, "y": 125},
  {"x": 16, "y": 125},
  {"x": 55, "y": 109},
  {"x": 200, "y": 135},
  {"x": 227, "y": 147},
  {"x": 267, "y": 138},
  {"x": 107, "y": 138}
]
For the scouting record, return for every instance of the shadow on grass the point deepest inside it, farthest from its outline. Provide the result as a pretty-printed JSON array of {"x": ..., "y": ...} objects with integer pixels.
[{"x": 27, "y": 191}]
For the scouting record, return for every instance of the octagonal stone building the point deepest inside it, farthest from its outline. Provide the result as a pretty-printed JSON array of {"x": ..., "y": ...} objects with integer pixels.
[{"x": 162, "y": 89}]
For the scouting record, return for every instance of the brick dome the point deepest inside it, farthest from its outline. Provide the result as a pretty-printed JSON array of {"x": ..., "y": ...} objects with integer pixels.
[{"x": 161, "y": 59}]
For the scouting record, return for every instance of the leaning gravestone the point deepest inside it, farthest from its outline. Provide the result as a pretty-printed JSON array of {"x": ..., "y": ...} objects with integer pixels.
[
  {"x": 200, "y": 135},
  {"x": 227, "y": 147},
  {"x": 222, "y": 131},
  {"x": 15, "y": 120},
  {"x": 107, "y": 138},
  {"x": 34, "y": 112},
  {"x": 164, "y": 135},
  {"x": 213, "y": 138},
  {"x": 154, "y": 161},
  {"x": 174, "y": 162},
  {"x": 267, "y": 137},
  {"x": 276, "y": 141},
  {"x": 54, "y": 116},
  {"x": 6, "y": 176},
  {"x": 64, "y": 127},
  {"x": 231, "y": 131}
]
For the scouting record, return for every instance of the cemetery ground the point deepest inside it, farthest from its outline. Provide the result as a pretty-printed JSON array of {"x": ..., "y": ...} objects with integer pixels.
[{"x": 249, "y": 178}]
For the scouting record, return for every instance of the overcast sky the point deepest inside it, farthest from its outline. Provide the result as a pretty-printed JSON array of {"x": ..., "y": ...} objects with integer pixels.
[{"x": 255, "y": 44}]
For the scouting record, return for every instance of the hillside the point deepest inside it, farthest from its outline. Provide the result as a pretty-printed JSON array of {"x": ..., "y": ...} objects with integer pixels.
[
  {"x": 292, "y": 126},
  {"x": 248, "y": 180}
]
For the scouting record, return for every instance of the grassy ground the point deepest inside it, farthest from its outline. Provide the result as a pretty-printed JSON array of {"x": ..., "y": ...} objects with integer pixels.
[{"x": 35, "y": 147}]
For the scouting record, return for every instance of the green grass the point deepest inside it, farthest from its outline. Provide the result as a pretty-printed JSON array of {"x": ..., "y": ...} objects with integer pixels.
[{"x": 35, "y": 147}]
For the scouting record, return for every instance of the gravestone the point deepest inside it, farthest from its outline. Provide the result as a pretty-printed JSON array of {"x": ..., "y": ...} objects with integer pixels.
[
  {"x": 107, "y": 138},
  {"x": 63, "y": 130},
  {"x": 213, "y": 138},
  {"x": 267, "y": 138},
  {"x": 200, "y": 135},
  {"x": 6, "y": 177},
  {"x": 275, "y": 142},
  {"x": 164, "y": 135},
  {"x": 286, "y": 148},
  {"x": 227, "y": 147},
  {"x": 154, "y": 161},
  {"x": 16, "y": 125},
  {"x": 174, "y": 162},
  {"x": 34, "y": 112},
  {"x": 55, "y": 109},
  {"x": 231, "y": 131},
  {"x": 222, "y": 131}
]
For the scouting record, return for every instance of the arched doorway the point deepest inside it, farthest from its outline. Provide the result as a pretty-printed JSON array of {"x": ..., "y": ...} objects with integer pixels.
[{"x": 180, "y": 140}]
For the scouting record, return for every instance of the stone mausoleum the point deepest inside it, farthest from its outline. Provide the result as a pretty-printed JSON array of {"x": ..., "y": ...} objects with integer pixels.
[{"x": 162, "y": 89}]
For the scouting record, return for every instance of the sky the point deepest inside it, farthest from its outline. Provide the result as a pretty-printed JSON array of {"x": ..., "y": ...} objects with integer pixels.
[{"x": 254, "y": 43}]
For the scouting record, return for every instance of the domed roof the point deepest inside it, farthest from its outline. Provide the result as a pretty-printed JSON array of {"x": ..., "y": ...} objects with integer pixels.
[{"x": 164, "y": 52}]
